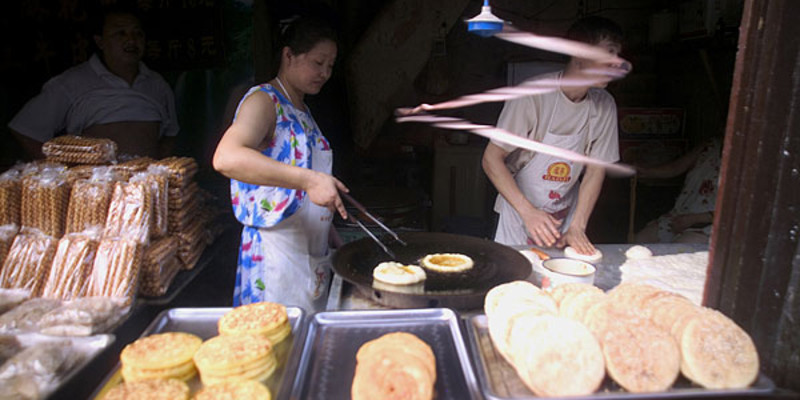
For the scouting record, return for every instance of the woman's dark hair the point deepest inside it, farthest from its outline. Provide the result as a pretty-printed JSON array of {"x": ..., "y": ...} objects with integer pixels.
[
  {"x": 303, "y": 33},
  {"x": 593, "y": 29}
]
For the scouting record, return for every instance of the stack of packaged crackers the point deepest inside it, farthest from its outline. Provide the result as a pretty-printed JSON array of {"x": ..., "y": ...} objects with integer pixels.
[{"x": 82, "y": 224}]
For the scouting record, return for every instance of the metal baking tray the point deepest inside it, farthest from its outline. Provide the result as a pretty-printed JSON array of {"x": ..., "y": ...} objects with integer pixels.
[
  {"x": 328, "y": 362},
  {"x": 203, "y": 323},
  {"x": 499, "y": 381}
]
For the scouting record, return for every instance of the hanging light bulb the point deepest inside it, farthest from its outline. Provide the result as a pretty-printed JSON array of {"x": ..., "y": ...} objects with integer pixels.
[{"x": 485, "y": 24}]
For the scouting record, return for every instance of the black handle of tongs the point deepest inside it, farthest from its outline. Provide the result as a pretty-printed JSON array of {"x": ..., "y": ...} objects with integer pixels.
[{"x": 364, "y": 211}]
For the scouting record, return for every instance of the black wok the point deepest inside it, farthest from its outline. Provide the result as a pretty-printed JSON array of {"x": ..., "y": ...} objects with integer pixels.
[{"x": 494, "y": 264}]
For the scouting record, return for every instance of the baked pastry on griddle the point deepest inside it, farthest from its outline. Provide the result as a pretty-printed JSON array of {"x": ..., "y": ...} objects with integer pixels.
[
  {"x": 447, "y": 262},
  {"x": 395, "y": 273}
]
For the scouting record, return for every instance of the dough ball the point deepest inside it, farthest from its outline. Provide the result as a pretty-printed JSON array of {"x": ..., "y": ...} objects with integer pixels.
[
  {"x": 569, "y": 252},
  {"x": 638, "y": 252}
]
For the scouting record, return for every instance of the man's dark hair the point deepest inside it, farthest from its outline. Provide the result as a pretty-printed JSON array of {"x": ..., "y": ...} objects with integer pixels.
[
  {"x": 302, "y": 34},
  {"x": 99, "y": 15},
  {"x": 593, "y": 29}
]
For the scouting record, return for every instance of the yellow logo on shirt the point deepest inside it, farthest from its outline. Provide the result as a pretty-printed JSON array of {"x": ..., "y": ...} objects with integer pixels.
[{"x": 558, "y": 172}]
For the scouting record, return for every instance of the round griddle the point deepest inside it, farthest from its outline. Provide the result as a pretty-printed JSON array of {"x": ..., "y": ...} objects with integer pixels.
[{"x": 494, "y": 264}]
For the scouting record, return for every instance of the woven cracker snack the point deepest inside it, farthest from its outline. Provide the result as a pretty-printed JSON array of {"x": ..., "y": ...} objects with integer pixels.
[
  {"x": 80, "y": 150},
  {"x": 72, "y": 266},
  {"x": 28, "y": 262},
  {"x": 129, "y": 214},
  {"x": 45, "y": 199},
  {"x": 10, "y": 200},
  {"x": 159, "y": 267},
  {"x": 182, "y": 170},
  {"x": 156, "y": 179},
  {"x": 115, "y": 272},
  {"x": 7, "y": 234}
]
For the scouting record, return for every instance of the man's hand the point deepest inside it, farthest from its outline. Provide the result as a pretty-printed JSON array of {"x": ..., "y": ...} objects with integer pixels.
[
  {"x": 577, "y": 239},
  {"x": 542, "y": 227}
]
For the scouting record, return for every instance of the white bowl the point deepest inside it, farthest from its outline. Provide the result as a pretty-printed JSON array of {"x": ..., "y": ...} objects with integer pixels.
[{"x": 558, "y": 271}]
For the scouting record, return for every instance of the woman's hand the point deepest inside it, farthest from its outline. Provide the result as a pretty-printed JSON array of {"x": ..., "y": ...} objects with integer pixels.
[
  {"x": 323, "y": 190},
  {"x": 542, "y": 227}
]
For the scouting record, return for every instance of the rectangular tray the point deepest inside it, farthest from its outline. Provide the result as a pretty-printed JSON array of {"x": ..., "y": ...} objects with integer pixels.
[
  {"x": 327, "y": 364},
  {"x": 498, "y": 380},
  {"x": 203, "y": 323}
]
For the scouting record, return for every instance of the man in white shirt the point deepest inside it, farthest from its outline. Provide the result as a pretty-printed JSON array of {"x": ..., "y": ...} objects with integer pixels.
[
  {"x": 542, "y": 199},
  {"x": 112, "y": 95}
]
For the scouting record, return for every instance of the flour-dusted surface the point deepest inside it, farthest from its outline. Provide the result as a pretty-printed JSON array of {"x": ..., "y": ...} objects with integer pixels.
[{"x": 683, "y": 273}]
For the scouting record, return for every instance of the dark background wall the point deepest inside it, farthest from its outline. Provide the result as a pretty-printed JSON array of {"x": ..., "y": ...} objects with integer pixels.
[{"x": 211, "y": 51}]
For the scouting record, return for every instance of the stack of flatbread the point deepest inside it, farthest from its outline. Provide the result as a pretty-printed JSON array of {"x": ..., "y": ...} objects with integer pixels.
[
  {"x": 265, "y": 318},
  {"x": 397, "y": 365},
  {"x": 247, "y": 389},
  {"x": 175, "y": 389},
  {"x": 160, "y": 356},
  {"x": 644, "y": 337},
  {"x": 553, "y": 355},
  {"x": 235, "y": 357}
]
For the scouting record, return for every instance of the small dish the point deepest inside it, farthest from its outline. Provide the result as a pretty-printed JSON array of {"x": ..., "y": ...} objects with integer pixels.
[{"x": 559, "y": 270}]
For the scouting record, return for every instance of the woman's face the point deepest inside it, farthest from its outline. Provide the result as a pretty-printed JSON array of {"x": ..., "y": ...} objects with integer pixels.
[{"x": 312, "y": 69}]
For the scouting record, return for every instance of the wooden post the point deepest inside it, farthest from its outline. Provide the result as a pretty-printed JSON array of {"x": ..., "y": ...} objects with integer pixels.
[{"x": 754, "y": 272}]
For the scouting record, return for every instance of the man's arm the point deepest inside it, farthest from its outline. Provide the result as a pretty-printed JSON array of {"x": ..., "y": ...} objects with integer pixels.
[
  {"x": 32, "y": 147},
  {"x": 541, "y": 226},
  {"x": 588, "y": 192}
]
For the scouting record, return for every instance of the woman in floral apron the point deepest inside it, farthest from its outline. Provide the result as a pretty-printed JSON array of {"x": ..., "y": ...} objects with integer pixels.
[{"x": 280, "y": 164}]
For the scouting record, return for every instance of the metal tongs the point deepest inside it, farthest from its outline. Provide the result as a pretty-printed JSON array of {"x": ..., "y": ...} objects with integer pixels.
[{"x": 364, "y": 211}]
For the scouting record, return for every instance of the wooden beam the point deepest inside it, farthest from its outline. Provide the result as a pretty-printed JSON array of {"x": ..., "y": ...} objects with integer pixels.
[{"x": 753, "y": 275}]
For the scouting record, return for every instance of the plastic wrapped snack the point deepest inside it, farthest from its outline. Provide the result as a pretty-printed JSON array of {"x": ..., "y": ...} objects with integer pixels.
[
  {"x": 182, "y": 170},
  {"x": 129, "y": 213},
  {"x": 9, "y": 347},
  {"x": 192, "y": 242},
  {"x": 10, "y": 298},
  {"x": 179, "y": 220},
  {"x": 45, "y": 198},
  {"x": 35, "y": 371},
  {"x": 156, "y": 178},
  {"x": 72, "y": 265},
  {"x": 159, "y": 267},
  {"x": 10, "y": 201},
  {"x": 116, "y": 268},
  {"x": 88, "y": 205},
  {"x": 28, "y": 262},
  {"x": 7, "y": 234},
  {"x": 154, "y": 285},
  {"x": 82, "y": 317},
  {"x": 182, "y": 198},
  {"x": 25, "y": 317},
  {"x": 80, "y": 150}
]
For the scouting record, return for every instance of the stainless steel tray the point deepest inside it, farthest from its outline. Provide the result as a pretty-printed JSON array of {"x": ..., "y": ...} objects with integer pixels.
[
  {"x": 498, "y": 379},
  {"x": 327, "y": 364},
  {"x": 203, "y": 323}
]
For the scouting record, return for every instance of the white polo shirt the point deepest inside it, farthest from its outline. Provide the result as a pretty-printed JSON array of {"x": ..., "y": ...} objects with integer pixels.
[{"x": 89, "y": 94}]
